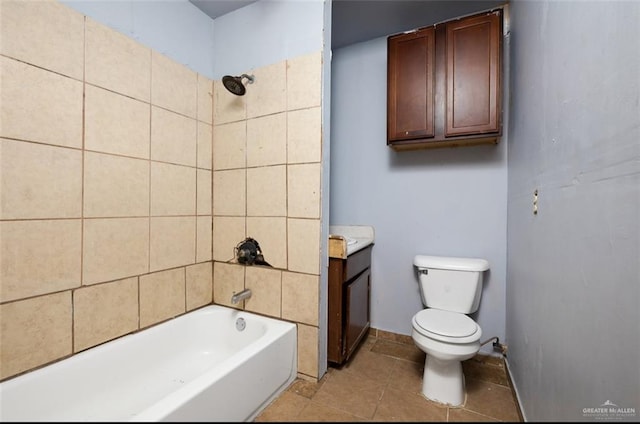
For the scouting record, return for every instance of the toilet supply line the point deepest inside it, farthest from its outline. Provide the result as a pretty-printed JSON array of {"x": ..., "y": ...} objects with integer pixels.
[{"x": 497, "y": 346}]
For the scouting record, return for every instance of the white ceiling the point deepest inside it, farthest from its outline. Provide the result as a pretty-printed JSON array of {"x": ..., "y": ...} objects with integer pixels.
[{"x": 354, "y": 21}]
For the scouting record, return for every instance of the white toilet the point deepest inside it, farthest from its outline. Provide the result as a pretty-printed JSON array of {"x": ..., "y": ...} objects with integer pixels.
[{"x": 450, "y": 289}]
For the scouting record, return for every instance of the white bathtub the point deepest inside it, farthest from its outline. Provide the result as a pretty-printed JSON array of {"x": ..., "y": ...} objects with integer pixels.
[{"x": 196, "y": 367}]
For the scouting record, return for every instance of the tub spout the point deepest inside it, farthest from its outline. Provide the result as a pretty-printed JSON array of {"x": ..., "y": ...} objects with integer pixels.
[{"x": 244, "y": 294}]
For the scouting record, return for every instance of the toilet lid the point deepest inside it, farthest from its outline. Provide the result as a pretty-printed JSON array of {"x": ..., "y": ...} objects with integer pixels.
[{"x": 446, "y": 323}]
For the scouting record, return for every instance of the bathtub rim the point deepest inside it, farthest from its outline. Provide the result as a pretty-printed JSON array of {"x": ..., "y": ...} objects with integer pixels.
[{"x": 184, "y": 394}]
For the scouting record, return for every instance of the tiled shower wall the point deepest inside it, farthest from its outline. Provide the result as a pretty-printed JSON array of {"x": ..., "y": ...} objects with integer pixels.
[
  {"x": 109, "y": 158},
  {"x": 106, "y": 201},
  {"x": 267, "y": 185}
]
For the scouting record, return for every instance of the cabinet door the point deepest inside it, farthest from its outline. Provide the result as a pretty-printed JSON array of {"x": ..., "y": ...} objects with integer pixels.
[
  {"x": 410, "y": 85},
  {"x": 473, "y": 75},
  {"x": 357, "y": 300}
]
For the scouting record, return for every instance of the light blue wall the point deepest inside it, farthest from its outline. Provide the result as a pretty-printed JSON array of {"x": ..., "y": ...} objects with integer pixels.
[
  {"x": 260, "y": 34},
  {"x": 448, "y": 202},
  {"x": 175, "y": 28},
  {"x": 573, "y": 295},
  {"x": 326, "y": 190},
  {"x": 266, "y": 32}
]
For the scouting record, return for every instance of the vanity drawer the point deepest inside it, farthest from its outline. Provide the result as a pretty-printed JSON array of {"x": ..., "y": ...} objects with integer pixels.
[{"x": 357, "y": 262}]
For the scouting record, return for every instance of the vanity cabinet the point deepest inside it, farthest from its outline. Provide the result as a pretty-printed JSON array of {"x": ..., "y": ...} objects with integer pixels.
[
  {"x": 444, "y": 84},
  {"x": 349, "y": 304}
]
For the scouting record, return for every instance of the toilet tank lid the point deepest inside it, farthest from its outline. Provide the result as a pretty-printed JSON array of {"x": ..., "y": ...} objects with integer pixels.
[{"x": 451, "y": 263}]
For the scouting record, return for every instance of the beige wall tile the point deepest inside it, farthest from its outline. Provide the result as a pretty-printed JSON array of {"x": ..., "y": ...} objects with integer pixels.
[
  {"x": 199, "y": 285},
  {"x": 38, "y": 105},
  {"x": 173, "y": 189},
  {"x": 162, "y": 296},
  {"x": 229, "y": 146},
  {"x": 47, "y": 34},
  {"x": 204, "y": 192},
  {"x": 120, "y": 129},
  {"x": 203, "y": 238},
  {"x": 304, "y": 81},
  {"x": 205, "y": 145},
  {"x": 34, "y": 332},
  {"x": 229, "y": 192},
  {"x": 303, "y": 245},
  {"x": 173, "y": 85},
  {"x": 116, "y": 124},
  {"x": 227, "y": 107},
  {"x": 308, "y": 350},
  {"x": 39, "y": 257},
  {"x": 303, "y": 190},
  {"x": 266, "y": 288},
  {"x": 173, "y": 137},
  {"x": 227, "y": 280},
  {"x": 271, "y": 233},
  {"x": 104, "y": 312},
  {"x": 268, "y": 93},
  {"x": 267, "y": 191},
  {"x": 114, "y": 248},
  {"x": 117, "y": 62},
  {"x": 304, "y": 135},
  {"x": 39, "y": 181},
  {"x": 115, "y": 186},
  {"x": 267, "y": 140},
  {"x": 205, "y": 99},
  {"x": 227, "y": 233},
  {"x": 173, "y": 242},
  {"x": 183, "y": 110},
  {"x": 300, "y": 297}
]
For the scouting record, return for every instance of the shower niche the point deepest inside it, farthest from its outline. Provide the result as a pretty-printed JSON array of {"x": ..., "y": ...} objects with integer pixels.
[{"x": 444, "y": 84}]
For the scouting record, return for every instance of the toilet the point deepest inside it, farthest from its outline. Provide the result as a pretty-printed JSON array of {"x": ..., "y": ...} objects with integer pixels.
[{"x": 450, "y": 288}]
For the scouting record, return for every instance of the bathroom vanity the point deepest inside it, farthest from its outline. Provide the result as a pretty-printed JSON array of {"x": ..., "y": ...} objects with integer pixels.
[{"x": 349, "y": 289}]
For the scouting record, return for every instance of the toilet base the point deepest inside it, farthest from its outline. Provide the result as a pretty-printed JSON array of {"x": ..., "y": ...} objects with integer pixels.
[{"x": 443, "y": 381}]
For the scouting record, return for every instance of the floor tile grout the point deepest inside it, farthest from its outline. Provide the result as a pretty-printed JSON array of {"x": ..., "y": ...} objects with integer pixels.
[{"x": 486, "y": 397}]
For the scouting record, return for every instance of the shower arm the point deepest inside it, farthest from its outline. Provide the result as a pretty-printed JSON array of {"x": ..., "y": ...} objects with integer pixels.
[{"x": 250, "y": 78}]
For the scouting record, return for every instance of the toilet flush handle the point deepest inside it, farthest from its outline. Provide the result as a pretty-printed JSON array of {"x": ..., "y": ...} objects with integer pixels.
[{"x": 423, "y": 271}]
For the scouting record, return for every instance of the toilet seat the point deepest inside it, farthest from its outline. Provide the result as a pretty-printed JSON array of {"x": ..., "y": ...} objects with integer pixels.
[{"x": 446, "y": 326}]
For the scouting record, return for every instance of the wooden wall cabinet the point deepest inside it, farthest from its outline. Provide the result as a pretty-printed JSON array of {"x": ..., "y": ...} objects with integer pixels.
[
  {"x": 349, "y": 304},
  {"x": 444, "y": 84}
]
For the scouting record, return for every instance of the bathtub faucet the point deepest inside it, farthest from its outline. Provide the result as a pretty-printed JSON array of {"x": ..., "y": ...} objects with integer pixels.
[{"x": 244, "y": 294}]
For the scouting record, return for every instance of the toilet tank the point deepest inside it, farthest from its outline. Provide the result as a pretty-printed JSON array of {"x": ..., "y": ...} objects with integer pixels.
[{"x": 450, "y": 283}]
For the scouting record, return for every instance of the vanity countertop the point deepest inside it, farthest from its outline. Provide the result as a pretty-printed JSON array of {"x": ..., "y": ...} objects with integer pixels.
[{"x": 345, "y": 240}]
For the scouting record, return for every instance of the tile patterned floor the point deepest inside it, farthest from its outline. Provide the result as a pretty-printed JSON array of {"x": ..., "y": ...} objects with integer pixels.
[{"x": 383, "y": 382}]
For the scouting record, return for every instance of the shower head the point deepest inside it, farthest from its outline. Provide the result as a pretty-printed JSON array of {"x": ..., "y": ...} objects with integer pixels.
[{"x": 235, "y": 85}]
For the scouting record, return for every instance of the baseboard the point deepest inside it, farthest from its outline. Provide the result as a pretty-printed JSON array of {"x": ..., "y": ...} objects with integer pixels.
[
  {"x": 514, "y": 390},
  {"x": 388, "y": 335}
]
